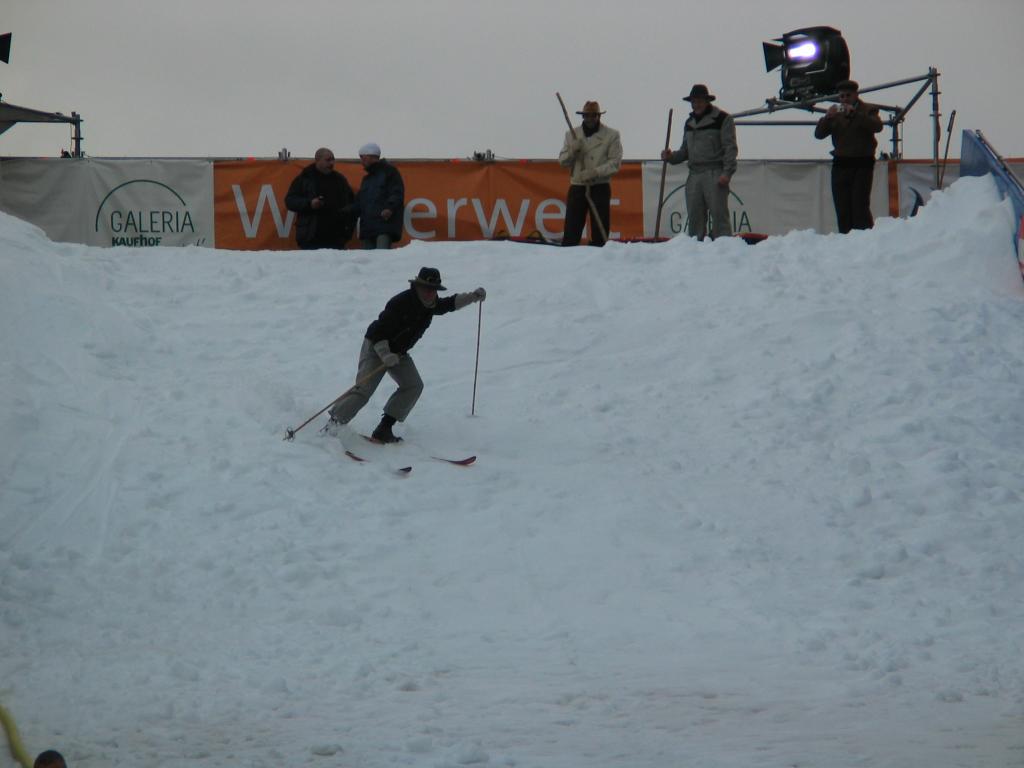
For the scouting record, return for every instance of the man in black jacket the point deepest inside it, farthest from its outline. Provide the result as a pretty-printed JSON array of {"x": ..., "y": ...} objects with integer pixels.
[
  {"x": 386, "y": 346},
  {"x": 323, "y": 199},
  {"x": 380, "y": 200}
]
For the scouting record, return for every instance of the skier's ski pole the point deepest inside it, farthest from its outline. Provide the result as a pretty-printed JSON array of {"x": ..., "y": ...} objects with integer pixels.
[
  {"x": 289, "y": 434},
  {"x": 476, "y": 366},
  {"x": 586, "y": 187},
  {"x": 661, "y": 189}
]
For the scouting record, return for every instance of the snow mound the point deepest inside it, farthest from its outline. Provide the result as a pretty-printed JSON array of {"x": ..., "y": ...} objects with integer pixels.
[{"x": 734, "y": 505}]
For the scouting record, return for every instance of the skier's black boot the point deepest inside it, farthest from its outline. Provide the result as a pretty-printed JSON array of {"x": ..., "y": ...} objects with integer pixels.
[{"x": 383, "y": 433}]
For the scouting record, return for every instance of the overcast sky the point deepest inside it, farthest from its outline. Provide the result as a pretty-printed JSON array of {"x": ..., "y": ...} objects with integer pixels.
[{"x": 443, "y": 78}]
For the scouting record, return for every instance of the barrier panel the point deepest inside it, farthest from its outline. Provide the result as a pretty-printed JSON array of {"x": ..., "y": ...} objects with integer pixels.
[
  {"x": 979, "y": 158},
  {"x": 444, "y": 200},
  {"x": 239, "y": 204},
  {"x": 94, "y": 201},
  {"x": 768, "y": 197}
]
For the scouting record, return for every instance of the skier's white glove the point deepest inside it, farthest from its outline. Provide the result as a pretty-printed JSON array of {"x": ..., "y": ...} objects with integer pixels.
[
  {"x": 383, "y": 350},
  {"x": 465, "y": 299}
]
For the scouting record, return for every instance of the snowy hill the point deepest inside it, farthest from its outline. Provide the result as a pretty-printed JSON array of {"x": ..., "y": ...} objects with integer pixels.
[{"x": 734, "y": 505}]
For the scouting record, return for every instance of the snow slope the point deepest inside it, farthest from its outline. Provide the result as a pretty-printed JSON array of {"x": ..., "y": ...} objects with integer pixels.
[{"x": 734, "y": 506}]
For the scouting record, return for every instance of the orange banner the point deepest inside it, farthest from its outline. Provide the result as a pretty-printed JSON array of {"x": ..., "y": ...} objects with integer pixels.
[{"x": 444, "y": 200}]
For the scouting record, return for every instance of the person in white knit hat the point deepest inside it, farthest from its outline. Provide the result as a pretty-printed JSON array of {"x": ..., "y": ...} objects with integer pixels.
[{"x": 380, "y": 201}]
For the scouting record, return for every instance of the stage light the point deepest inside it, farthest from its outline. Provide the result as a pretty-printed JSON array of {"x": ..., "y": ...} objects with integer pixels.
[
  {"x": 5, "y": 48},
  {"x": 812, "y": 59},
  {"x": 802, "y": 52}
]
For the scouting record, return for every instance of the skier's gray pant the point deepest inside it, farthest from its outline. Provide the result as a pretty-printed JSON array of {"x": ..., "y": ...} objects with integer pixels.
[
  {"x": 702, "y": 193},
  {"x": 410, "y": 385}
]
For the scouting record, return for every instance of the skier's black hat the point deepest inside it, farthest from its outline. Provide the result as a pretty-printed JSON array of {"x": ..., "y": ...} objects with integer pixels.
[{"x": 429, "y": 277}]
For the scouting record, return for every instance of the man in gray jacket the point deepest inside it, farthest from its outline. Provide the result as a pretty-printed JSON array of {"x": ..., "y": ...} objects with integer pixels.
[
  {"x": 594, "y": 153},
  {"x": 709, "y": 145}
]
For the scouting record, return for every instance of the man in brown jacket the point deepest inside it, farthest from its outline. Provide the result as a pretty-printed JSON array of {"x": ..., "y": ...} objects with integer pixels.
[{"x": 852, "y": 124}]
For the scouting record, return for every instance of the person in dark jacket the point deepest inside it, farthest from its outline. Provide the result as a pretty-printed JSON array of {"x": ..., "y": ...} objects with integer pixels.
[
  {"x": 323, "y": 200},
  {"x": 852, "y": 124},
  {"x": 380, "y": 200},
  {"x": 385, "y": 348}
]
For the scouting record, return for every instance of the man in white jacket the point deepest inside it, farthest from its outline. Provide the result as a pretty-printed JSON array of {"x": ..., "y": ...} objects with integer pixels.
[{"x": 594, "y": 153}]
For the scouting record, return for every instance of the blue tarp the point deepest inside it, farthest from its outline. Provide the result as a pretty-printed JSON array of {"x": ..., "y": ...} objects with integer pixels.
[{"x": 978, "y": 158}]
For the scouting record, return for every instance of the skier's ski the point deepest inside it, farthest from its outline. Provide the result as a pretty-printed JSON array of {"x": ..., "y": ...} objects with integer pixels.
[
  {"x": 361, "y": 460},
  {"x": 466, "y": 462}
]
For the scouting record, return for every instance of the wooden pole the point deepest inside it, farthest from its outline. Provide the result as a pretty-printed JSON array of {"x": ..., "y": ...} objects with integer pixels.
[
  {"x": 664, "y": 169},
  {"x": 945, "y": 156}
]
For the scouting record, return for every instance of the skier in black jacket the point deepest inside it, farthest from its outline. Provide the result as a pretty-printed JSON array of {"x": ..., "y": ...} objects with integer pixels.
[
  {"x": 323, "y": 200},
  {"x": 386, "y": 346}
]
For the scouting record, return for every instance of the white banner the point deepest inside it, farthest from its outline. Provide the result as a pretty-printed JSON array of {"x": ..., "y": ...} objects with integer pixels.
[
  {"x": 769, "y": 197},
  {"x": 134, "y": 203}
]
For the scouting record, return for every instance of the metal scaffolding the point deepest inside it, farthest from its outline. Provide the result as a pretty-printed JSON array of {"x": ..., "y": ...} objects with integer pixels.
[
  {"x": 10, "y": 114},
  {"x": 896, "y": 115}
]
